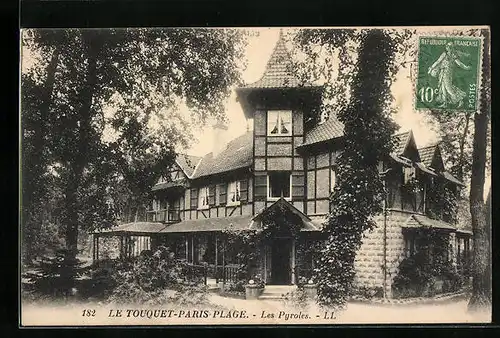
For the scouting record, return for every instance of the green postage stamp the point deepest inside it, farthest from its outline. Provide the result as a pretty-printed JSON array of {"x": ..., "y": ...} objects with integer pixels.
[{"x": 448, "y": 73}]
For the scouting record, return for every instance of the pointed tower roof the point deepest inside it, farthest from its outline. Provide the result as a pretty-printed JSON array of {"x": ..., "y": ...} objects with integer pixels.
[{"x": 279, "y": 69}]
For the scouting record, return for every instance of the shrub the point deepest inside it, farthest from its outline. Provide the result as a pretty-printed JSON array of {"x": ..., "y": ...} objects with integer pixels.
[
  {"x": 152, "y": 278},
  {"x": 296, "y": 298},
  {"x": 53, "y": 276}
]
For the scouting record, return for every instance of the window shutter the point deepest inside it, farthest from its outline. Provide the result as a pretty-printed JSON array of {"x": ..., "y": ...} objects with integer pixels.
[
  {"x": 194, "y": 198},
  {"x": 244, "y": 190},
  {"x": 211, "y": 195},
  {"x": 223, "y": 194},
  {"x": 260, "y": 192},
  {"x": 298, "y": 191}
]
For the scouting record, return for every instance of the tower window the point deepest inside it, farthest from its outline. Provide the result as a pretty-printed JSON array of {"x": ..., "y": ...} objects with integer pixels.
[
  {"x": 279, "y": 185},
  {"x": 279, "y": 122}
]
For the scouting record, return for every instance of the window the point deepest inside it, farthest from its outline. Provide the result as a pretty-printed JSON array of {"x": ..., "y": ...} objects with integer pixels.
[
  {"x": 333, "y": 179},
  {"x": 411, "y": 247},
  {"x": 409, "y": 173},
  {"x": 279, "y": 185},
  {"x": 233, "y": 193},
  {"x": 203, "y": 198},
  {"x": 279, "y": 122}
]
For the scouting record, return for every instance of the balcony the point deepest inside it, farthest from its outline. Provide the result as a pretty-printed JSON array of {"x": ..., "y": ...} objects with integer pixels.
[{"x": 164, "y": 215}]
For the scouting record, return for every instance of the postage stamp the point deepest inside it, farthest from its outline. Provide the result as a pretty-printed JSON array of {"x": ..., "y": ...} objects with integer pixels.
[{"x": 448, "y": 73}]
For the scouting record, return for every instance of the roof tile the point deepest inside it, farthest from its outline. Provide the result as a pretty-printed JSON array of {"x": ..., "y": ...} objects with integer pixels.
[
  {"x": 187, "y": 163},
  {"x": 331, "y": 129},
  {"x": 210, "y": 224},
  {"x": 238, "y": 154},
  {"x": 279, "y": 70}
]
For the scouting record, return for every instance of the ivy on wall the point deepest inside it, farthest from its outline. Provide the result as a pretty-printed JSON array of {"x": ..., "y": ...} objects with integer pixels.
[
  {"x": 276, "y": 221},
  {"x": 359, "y": 193},
  {"x": 442, "y": 202}
]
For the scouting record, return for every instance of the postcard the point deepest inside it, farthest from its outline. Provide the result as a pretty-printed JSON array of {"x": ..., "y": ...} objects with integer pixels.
[{"x": 255, "y": 176}]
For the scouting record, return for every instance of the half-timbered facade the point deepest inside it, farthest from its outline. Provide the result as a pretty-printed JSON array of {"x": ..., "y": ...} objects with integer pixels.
[{"x": 287, "y": 159}]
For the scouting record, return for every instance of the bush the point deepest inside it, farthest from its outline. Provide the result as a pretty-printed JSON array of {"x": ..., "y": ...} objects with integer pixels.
[
  {"x": 153, "y": 278},
  {"x": 296, "y": 298},
  {"x": 53, "y": 277},
  {"x": 417, "y": 277}
]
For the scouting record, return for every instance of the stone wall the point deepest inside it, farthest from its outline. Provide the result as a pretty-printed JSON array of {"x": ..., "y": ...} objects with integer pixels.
[{"x": 370, "y": 258}]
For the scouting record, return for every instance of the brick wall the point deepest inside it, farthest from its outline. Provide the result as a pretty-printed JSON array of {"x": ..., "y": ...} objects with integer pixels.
[{"x": 370, "y": 258}]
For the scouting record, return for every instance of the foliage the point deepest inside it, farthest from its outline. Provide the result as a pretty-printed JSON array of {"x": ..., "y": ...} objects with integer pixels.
[
  {"x": 296, "y": 298},
  {"x": 409, "y": 191},
  {"x": 442, "y": 202},
  {"x": 418, "y": 273},
  {"x": 54, "y": 276},
  {"x": 105, "y": 107},
  {"x": 153, "y": 278},
  {"x": 368, "y": 134},
  {"x": 278, "y": 220}
]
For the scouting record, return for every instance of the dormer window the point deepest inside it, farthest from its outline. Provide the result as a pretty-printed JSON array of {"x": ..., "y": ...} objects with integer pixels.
[
  {"x": 233, "y": 193},
  {"x": 279, "y": 122},
  {"x": 409, "y": 173}
]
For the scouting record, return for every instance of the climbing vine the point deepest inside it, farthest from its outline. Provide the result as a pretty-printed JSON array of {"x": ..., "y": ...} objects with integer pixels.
[
  {"x": 276, "y": 221},
  {"x": 359, "y": 193},
  {"x": 442, "y": 201}
]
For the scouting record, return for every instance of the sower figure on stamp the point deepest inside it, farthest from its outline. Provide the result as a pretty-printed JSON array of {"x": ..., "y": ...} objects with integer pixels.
[{"x": 443, "y": 69}]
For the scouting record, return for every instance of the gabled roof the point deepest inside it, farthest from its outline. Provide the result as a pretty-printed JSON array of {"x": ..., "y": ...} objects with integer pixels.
[
  {"x": 431, "y": 157},
  {"x": 402, "y": 140},
  {"x": 328, "y": 130},
  {"x": 452, "y": 178},
  {"x": 421, "y": 221},
  {"x": 427, "y": 154},
  {"x": 238, "y": 154},
  {"x": 187, "y": 163},
  {"x": 279, "y": 70},
  {"x": 308, "y": 224}
]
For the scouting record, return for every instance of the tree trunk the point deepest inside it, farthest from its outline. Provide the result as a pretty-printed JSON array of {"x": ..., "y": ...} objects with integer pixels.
[
  {"x": 462, "y": 146},
  {"x": 82, "y": 153},
  {"x": 481, "y": 296}
]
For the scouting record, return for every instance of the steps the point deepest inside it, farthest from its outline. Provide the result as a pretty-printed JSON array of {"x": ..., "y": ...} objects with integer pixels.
[{"x": 276, "y": 291}]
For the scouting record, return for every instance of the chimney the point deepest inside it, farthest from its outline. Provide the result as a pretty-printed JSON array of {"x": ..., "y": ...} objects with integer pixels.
[{"x": 219, "y": 138}]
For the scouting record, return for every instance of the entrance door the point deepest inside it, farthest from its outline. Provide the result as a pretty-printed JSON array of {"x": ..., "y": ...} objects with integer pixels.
[{"x": 281, "y": 267}]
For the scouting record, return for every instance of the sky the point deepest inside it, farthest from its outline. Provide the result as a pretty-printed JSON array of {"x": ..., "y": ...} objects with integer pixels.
[{"x": 258, "y": 52}]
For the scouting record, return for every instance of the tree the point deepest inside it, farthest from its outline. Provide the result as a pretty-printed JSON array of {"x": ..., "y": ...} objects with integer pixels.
[
  {"x": 481, "y": 293},
  {"x": 368, "y": 132},
  {"x": 113, "y": 116}
]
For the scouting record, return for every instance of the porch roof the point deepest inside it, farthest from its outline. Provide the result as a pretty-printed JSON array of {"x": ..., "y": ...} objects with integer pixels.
[
  {"x": 421, "y": 221},
  {"x": 209, "y": 224},
  {"x": 133, "y": 228},
  {"x": 308, "y": 224}
]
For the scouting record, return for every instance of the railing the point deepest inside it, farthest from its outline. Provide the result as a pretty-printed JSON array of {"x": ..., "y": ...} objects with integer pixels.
[
  {"x": 199, "y": 273},
  {"x": 164, "y": 215}
]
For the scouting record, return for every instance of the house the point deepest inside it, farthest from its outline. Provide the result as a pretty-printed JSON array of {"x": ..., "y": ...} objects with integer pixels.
[{"x": 286, "y": 162}]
